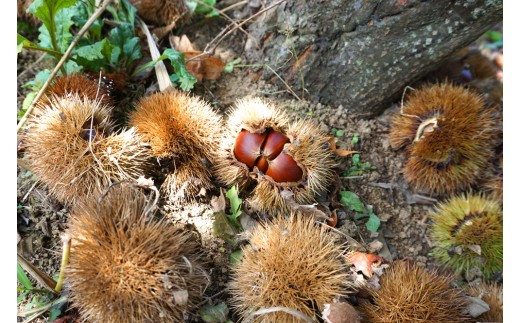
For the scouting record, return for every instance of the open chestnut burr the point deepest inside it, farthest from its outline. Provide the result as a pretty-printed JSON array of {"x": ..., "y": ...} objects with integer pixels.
[{"x": 262, "y": 148}]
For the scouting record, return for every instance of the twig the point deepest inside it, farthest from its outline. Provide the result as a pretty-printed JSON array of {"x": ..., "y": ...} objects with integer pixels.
[
  {"x": 402, "y": 104},
  {"x": 223, "y": 34},
  {"x": 207, "y": 299},
  {"x": 277, "y": 75},
  {"x": 238, "y": 4},
  {"x": 64, "y": 261},
  {"x": 65, "y": 56},
  {"x": 225, "y": 16}
]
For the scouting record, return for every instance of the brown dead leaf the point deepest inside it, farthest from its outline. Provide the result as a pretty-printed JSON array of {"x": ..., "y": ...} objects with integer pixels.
[
  {"x": 203, "y": 66},
  {"x": 333, "y": 220},
  {"x": 218, "y": 204},
  {"x": 340, "y": 313},
  {"x": 182, "y": 44},
  {"x": 340, "y": 152},
  {"x": 365, "y": 262}
]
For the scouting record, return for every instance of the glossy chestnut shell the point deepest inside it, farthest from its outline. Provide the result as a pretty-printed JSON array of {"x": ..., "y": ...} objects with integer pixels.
[{"x": 265, "y": 151}]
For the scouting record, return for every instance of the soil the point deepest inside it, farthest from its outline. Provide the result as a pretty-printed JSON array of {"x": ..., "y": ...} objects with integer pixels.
[{"x": 404, "y": 213}]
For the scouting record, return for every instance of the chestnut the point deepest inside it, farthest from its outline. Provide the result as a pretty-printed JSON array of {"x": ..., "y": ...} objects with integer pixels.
[
  {"x": 264, "y": 150},
  {"x": 258, "y": 151}
]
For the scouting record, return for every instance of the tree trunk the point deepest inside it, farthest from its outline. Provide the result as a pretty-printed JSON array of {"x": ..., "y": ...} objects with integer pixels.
[{"x": 362, "y": 53}]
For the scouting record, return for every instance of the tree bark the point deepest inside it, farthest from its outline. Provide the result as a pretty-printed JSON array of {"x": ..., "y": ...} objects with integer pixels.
[{"x": 362, "y": 53}]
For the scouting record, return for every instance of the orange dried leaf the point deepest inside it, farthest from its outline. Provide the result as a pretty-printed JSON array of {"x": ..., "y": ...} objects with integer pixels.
[
  {"x": 203, "y": 67},
  {"x": 340, "y": 152},
  {"x": 365, "y": 262}
]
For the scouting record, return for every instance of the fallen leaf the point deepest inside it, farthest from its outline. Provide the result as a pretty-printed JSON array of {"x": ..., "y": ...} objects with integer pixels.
[
  {"x": 475, "y": 248},
  {"x": 476, "y": 307},
  {"x": 218, "y": 204},
  {"x": 333, "y": 220},
  {"x": 203, "y": 66},
  {"x": 180, "y": 297},
  {"x": 182, "y": 44},
  {"x": 340, "y": 313},
  {"x": 340, "y": 152},
  {"x": 375, "y": 246},
  {"x": 365, "y": 262}
]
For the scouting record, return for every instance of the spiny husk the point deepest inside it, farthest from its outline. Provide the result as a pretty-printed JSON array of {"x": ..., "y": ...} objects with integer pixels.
[
  {"x": 293, "y": 263},
  {"x": 125, "y": 266},
  {"x": 83, "y": 86},
  {"x": 492, "y": 294},
  {"x": 494, "y": 188},
  {"x": 254, "y": 115},
  {"x": 410, "y": 293},
  {"x": 161, "y": 12},
  {"x": 452, "y": 155},
  {"x": 468, "y": 221},
  {"x": 308, "y": 147},
  {"x": 60, "y": 154},
  {"x": 185, "y": 132}
]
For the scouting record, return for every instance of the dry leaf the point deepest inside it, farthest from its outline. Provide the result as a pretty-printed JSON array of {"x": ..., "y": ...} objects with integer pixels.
[
  {"x": 340, "y": 152},
  {"x": 475, "y": 248},
  {"x": 333, "y": 220},
  {"x": 340, "y": 313},
  {"x": 365, "y": 262},
  {"x": 180, "y": 297},
  {"x": 182, "y": 44},
  {"x": 218, "y": 204},
  {"x": 203, "y": 67}
]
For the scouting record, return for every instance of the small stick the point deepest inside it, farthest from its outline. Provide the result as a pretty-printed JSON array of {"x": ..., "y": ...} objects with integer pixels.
[
  {"x": 64, "y": 261},
  {"x": 65, "y": 56},
  {"x": 217, "y": 40},
  {"x": 402, "y": 104}
]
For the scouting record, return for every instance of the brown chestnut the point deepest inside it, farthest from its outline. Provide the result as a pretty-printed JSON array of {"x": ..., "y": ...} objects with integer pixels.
[
  {"x": 274, "y": 144},
  {"x": 248, "y": 147},
  {"x": 284, "y": 169}
]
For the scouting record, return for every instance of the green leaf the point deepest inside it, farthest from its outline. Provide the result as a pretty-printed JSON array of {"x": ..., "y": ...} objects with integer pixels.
[
  {"x": 125, "y": 46},
  {"x": 22, "y": 277},
  {"x": 54, "y": 312},
  {"x": 205, "y": 8},
  {"x": 46, "y": 10},
  {"x": 93, "y": 57},
  {"x": 355, "y": 159},
  {"x": 234, "y": 200},
  {"x": 235, "y": 257},
  {"x": 21, "y": 296},
  {"x": 38, "y": 81},
  {"x": 214, "y": 313},
  {"x": 26, "y": 43},
  {"x": 359, "y": 216},
  {"x": 340, "y": 133},
  {"x": 26, "y": 103},
  {"x": 187, "y": 81},
  {"x": 352, "y": 201},
  {"x": 355, "y": 139},
  {"x": 231, "y": 65},
  {"x": 123, "y": 13},
  {"x": 373, "y": 222},
  {"x": 62, "y": 24},
  {"x": 222, "y": 227}
]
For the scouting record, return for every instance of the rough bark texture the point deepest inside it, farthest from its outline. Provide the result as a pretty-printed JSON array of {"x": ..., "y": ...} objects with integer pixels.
[{"x": 362, "y": 53}]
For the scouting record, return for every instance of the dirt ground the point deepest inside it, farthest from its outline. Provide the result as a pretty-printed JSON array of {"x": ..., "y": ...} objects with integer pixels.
[{"x": 404, "y": 214}]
